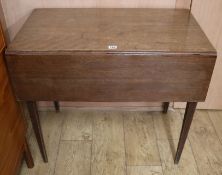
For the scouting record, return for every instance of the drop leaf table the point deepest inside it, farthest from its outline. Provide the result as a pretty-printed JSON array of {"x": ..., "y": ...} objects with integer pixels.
[{"x": 111, "y": 55}]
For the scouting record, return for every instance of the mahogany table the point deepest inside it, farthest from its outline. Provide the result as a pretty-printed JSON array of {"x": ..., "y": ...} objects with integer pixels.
[{"x": 111, "y": 55}]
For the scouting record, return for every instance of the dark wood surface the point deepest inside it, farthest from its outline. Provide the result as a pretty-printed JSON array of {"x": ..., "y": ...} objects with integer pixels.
[
  {"x": 12, "y": 123},
  {"x": 157, "y": 30},
  {"x": 159, "y": 50},
  {"x": 113, "y": 78},
  {"x": 111, "y": 55},
  {"x": 188, "y": 117},
  {"x": 165, "y": 107},
  {"x": 57, "y": 106},
  {"x": 34, "y": 115}
]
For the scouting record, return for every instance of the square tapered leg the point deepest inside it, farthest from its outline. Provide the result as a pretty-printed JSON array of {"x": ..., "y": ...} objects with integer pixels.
[
  {"x": 34, "y": 115},
  {"x": 188, "y": 117},
  {"x": 57, "y": 106},
  {"x": 165, "y": 107}
]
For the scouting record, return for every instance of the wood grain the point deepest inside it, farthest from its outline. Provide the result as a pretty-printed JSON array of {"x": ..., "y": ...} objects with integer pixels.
[
  {"x": 205, "y": 144},
  {"x": 2, "y": 41},
  {"x": 123, "y": 106},
  {"x": 12, "y": 124},
  {"x": 187, "y": 121},
  {"x": 216, "y": 118},
  {"x": 4, "y": 25},
  {"x": 52, "y": 127},
  {"x": 23, "y": 8},
  {"x": 187, "y": 164},
  {"x": 144, "y": 170},
  {"x": 140, "y": 142},
  {"x": 183, "y": 50},
  {"x": 140, "y": 28},
  {"x": 208, "y": 15},
  {"x": 28, "y": 156},
  {"x": 167, "y": 127},
  {"x": 95, "y": 65},
  {"x": 74, "y": 158},
  {"x": 138, "y": 70},
  {"x": 108, "y": 152},
  {"x": 120, "y": 78},
  {"x": 77, "y": 126},
  {"x": 36, "y": 124}
]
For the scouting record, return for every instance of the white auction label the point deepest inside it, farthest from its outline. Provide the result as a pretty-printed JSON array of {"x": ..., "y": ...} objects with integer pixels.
[{"x": 112, "y": 47}]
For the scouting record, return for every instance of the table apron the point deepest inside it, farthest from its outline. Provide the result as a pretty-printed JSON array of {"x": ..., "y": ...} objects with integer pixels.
[{"x": 110, "y": 78}]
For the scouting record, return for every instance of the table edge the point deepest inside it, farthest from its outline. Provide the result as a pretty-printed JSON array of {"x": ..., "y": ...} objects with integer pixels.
[{"x": 88, "y": 52}]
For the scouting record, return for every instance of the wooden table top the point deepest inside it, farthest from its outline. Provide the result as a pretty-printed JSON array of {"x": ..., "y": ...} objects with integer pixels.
[{"x": 94, "y": 30}]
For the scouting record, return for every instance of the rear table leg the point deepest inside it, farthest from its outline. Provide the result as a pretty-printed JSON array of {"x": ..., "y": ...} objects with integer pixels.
[
  {"x": 57, "y": 107},
  {"x": 165, "y": 107}
]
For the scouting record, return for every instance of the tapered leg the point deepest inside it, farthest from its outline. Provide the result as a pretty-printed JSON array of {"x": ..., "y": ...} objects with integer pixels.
[
  {"x": 28, "y": 155},
  {"x": 165, "y": 107},
  {"x": 188, "y": 117},
  {"x": 56, "y": 104},
  {"x": 32, "y": 107}
]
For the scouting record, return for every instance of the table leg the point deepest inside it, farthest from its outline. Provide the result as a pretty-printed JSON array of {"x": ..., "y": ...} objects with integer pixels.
[
  {"x": 188, "y": 117},
  {"x": 165, "y": 107},
  {"x": 33, "y": 111},
  {"x": 56, "y": 104},
  {"x": 28, "y": 155}
]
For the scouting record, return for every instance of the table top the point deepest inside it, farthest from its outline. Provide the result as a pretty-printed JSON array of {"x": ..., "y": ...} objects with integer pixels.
[{"x": 111, "y": 30}]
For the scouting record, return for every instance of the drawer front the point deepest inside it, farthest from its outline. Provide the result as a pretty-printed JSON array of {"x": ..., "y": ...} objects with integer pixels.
[{"x": 110, "y": 77}]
